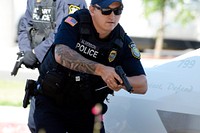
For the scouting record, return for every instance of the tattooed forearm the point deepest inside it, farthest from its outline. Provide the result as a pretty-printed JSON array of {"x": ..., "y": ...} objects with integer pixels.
[{"x": 71, "y": 59}]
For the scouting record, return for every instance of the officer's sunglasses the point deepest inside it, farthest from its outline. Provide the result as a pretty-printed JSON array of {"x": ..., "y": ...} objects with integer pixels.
[{"x": 108, "y": 11}]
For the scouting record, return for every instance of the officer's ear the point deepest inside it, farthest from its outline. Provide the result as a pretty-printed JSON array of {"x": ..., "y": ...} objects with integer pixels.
[{"x": 91, "y": 9}]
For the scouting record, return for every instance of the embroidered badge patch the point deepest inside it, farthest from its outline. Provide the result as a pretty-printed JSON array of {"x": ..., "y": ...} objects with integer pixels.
[
  {"x": 71, "y": 21},
  {"x": 112, "y": 55},
  {"x": 134, "y": 50},
  {"x": 73, "y": 8}
]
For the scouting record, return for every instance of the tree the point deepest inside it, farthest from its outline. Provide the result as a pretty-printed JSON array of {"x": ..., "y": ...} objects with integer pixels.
[{"x": 184, "y": 14}]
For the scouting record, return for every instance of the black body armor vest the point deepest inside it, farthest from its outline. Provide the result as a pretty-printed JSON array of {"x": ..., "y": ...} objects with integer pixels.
[{"x": 90, "y": 87}]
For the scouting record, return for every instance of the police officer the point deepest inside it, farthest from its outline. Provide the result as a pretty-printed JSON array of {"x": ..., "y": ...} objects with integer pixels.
[
  {"x": 78, "y": 71},
  {"x": 37, "y": 30}
]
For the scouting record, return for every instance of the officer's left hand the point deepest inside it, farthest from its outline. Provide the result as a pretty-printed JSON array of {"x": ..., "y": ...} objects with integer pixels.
[{"x": 30, "y": 60}]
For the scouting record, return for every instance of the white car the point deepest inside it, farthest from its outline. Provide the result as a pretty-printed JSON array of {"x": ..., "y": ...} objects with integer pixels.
[{"x": 171, "y": 104}]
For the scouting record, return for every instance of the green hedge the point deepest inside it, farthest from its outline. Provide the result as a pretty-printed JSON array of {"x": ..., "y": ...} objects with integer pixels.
[{"x": 11, "y": 93}]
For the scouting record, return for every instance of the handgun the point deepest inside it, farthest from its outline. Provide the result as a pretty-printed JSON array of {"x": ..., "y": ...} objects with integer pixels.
[
  {"x": 29, "y": 91},
  {"x": 18, "y": 63},
  {"x": 122, "y": 74}
]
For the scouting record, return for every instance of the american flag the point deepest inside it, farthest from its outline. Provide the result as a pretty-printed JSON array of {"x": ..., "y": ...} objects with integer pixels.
[{"x": 71, "y": 21}]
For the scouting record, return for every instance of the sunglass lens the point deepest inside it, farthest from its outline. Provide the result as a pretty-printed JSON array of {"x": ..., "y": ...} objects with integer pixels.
[
  {"x": 106, "y": 12},
  {"x": 118, "y": 11}
]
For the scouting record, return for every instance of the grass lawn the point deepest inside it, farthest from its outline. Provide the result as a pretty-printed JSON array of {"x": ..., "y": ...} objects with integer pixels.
[{"x": 12, "y": 93}]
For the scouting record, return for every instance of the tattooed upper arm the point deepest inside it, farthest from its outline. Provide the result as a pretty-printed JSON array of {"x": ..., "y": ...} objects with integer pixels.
[{"x": 71, "y": 59}]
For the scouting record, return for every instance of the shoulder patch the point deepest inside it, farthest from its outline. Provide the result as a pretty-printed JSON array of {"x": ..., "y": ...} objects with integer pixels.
[
  {"x": 70, "y": 20},
  {"x": 134, "y": 50}
]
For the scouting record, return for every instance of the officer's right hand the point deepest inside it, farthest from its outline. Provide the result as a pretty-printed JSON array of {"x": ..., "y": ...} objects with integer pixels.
[
  {"x": 30, "y": 60},
  {"x": 110, "y": 77}
]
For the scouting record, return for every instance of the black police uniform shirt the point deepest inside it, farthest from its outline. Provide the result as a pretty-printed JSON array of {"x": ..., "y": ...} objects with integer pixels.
[{"x": 128, "y": 56}]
